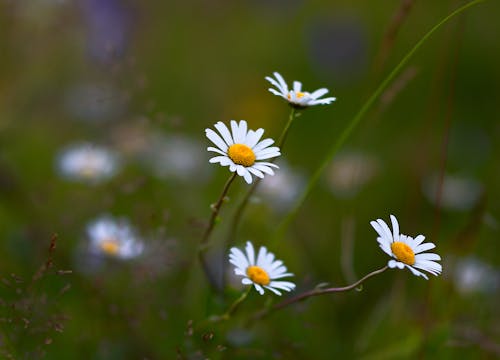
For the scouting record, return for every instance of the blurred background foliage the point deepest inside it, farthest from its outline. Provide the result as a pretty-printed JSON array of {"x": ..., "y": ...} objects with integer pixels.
[{"x": 144, "y": 79}]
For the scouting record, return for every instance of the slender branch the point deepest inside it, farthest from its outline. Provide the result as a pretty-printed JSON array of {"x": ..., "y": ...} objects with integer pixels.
[
  {"x": 235, "y": 221},
  {"x": 284, "y": 133},
  {"x": 230, "y": 311},
  {"x": 315, "y": 292},
  {"x": 208, "y": 231},
  {"x": 391, "y": 33},
  {"x": 282, "y": 227},
  {"x": 236, "y": 303}
]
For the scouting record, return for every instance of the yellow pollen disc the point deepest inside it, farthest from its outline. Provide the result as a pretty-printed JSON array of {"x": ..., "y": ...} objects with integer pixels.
[
  {"x": 110, "y": 247},
  {"x": 241, "y": 154},
  {"x": 298, "y": 94},
  {"x": 258, "y": 275},
  {"x": 403, "y": 252}
]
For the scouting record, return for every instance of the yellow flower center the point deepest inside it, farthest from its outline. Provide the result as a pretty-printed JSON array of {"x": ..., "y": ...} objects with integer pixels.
[
  {"x": 403, "y": 252},
  {"x": 110, "y": 247},
  {"x": 258, "y": 275},
  {"x": 241, "y": 154},
  {"x": 298, "y": 94}
]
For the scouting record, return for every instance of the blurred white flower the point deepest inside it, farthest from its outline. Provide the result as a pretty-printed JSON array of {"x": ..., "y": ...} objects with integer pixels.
[
  {"x": 282, "y": 188},
  {"x": 261, "y": 273},
  {"x": 88, "y": 163},
  {"x": 406, "y": 250},
  {"x": 241, "y": 150},
  {"x": 457, "y": 193},
  {"x": 349, "y": 172},
  {"x": 472, "y": 275},
  {"x": 114, "y": 237},
  {"x": 175, "y": 156},
  {"x": 297, "y": 97}
]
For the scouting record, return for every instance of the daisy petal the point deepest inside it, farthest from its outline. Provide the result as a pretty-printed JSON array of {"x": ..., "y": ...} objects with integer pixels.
[
  {"x": 318, "y": 93},
  {"x": 395, "y": 228},
  {"x": 224, "y": 131},
  {"x": 281, "y": 81},
  {"x": 424, "y": 247},
  {"x": 216, "y": 139},
  {"x": 250, "y": 253}
]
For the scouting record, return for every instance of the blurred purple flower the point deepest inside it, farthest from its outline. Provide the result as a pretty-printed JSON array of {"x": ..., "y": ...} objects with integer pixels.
[
  {"x": 108, "y": 25},
  {"x": 338, "y": 47}
]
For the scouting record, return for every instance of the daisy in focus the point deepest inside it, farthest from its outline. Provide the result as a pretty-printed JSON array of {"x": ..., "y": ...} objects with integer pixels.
[
  {"x": 114, "y": 237},
  {"x": 261, "y": 273},
  {"x": 296, "y": 97},
  {"x": 406, "y": 251},
  {"x": 87, "y": 162},
  {"x": 241, "y": 150}
]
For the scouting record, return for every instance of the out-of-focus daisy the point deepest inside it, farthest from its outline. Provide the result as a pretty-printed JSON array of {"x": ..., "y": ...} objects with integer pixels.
[
  {"x": 472, "y": 275},
  {"x": 87, "y": 162},
  {"x": 350, "y": 171},
  {"x": 241, "y": 150},
  {"x": 406, "y": 251},
  {"x": 452, "y": 192},
  {"x": 261, "y": 273},
  {"x": 296, "y": 97},
  {"x": 175, "y": 156},
  {"x": 114, "y": 237},
  {"x": 283, "y": 188}
]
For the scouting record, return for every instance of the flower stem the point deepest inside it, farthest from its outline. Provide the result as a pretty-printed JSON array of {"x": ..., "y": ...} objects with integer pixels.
[
  {"x": 232, "y": 308},
  {"x": 204, "y": 243},
  {"x": 315, "y": 292},
  {"x": 281, "y": 229},
  {"x": 235, "y": 221},
  {"x": 236, "y": 303},
  {"x": 284, "y": 133}
]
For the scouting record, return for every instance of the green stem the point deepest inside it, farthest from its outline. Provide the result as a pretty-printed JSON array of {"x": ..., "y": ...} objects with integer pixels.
[
  {"x": 315, "y": 292},
  {"x": 235, "y": 221},
  {"x": 204, "y": 243},
  {"x": 284, "y": 133},
  {"x": 281, "y": 229},
  {"x": 236, "y": 303},
  {"x": 227, "y": 315}
]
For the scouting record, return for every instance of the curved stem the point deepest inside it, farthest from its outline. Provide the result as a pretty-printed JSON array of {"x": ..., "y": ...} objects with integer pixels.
[
  {"x": 208, "y": 231},
  {"x": 235, "y": 221},
  {"x": 315, "y": 292},
  {"x": 236, "y": 303},
  {"x": 227, "y": 315},
  {"x": 281, "y": 229}
]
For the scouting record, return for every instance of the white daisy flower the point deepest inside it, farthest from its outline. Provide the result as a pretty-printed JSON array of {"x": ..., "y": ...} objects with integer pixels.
[
  {"x": 241, "y": 149},
  {"x": 261, "y": 273},
  {"x": 406, "y": 250},
  {"x": 114, "y": 237},
  {"x": 87, "y": 162},
  {"x": 296, "y": 97}
]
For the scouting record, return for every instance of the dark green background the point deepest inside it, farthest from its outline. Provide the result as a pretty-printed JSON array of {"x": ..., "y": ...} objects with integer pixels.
[{"x": 183, "y": 66}]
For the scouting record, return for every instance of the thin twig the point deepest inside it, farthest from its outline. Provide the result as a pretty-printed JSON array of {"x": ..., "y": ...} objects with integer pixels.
[
  {"x": 315, "y": 292},
  {"x": 391, "y": 33}
]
